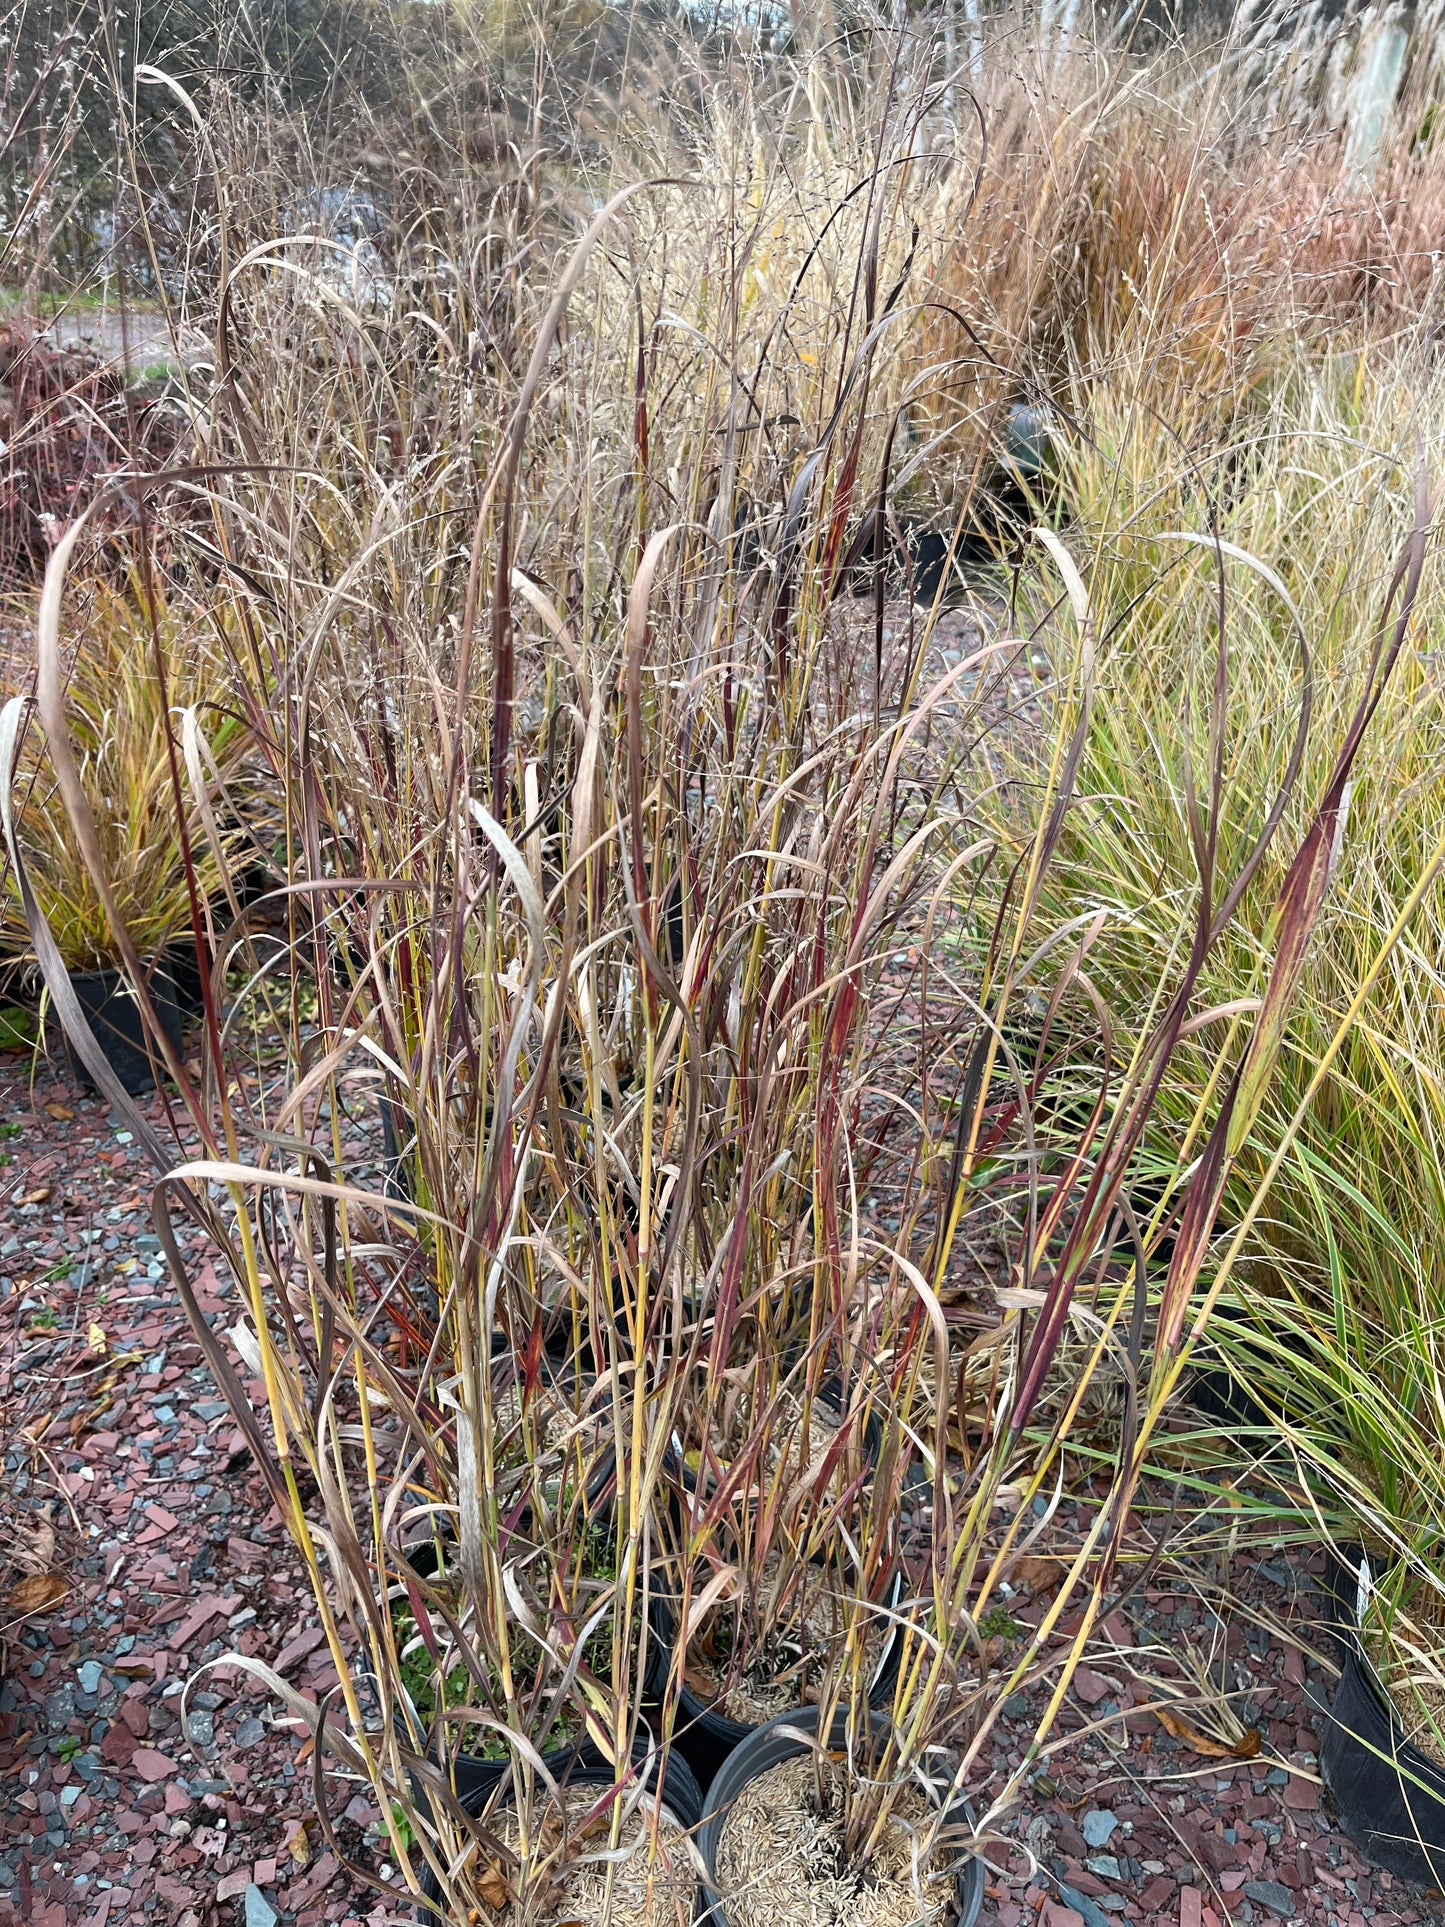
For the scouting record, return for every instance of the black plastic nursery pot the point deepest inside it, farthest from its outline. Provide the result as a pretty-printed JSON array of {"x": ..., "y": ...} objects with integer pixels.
[
  {"x": 1390, "y": 1795},
  {"x": 396, "y": 1170},
  {"x": 111, "y": 1010},
  {"x": 708, "y": 1739},
  {"x": 784, "y": 1739},
  {"x": 667, "y": 1777},
  {"x": 1216, "y": 1393},
  {"x": 186, "y": 973}
]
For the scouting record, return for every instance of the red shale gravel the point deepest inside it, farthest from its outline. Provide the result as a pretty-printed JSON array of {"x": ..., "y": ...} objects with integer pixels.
[
  {"x": 113, "y": 1814},
  {"x": 1130, "y": 1823}
]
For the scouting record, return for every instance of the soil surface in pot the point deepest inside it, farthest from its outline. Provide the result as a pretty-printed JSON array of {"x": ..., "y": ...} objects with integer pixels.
[
  {"x": 781, "y": 1859},
  {"x": 783, "y": 1672},
  {"x": 559, "y": 1425},
  {"x": 653, "y": 1882},
  {"x": 785, "y": 1447}
]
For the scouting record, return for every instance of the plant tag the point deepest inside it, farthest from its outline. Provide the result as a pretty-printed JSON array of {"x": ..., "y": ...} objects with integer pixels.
[{"x": 1362, "y": 1591}]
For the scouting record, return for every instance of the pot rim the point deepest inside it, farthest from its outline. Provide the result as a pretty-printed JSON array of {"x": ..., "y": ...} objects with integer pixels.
[
  {"x": 580, "y": 1765},
  {"x": 773, "y": 1745},
  {"x": 700, "y": 1712}
]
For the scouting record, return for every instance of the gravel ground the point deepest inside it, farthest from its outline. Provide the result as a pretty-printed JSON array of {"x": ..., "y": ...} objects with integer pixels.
[
  {"x": 1132, "y": 1822},
  {"x": 174, "y": 1556}
]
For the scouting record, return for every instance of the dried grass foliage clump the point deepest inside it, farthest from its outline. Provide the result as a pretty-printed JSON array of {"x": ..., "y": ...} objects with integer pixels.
[
  {"x": 592, "y": 858},
  {"x": 1145, "y": 219},
  {"x": 602, "y": 815},
  {"x": 67, "y": 425}
]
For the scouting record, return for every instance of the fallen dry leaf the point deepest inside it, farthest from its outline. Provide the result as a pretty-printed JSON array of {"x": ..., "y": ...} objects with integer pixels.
[
  {"x": 1038, "y": 1574},
  {"x": 41, "y": 1196},
  {"x": 35, "y": 1549},
  {"x": 38, "y": 1592},
  {"x": 699, "y": 1685},
  {"x": 62, "y": 1113},
  {"x": 492, "y": 1886},
  {"x": 299, "y": 1846},
  {"x": 84, "y": 1419},
  {"x": 1245, "y": 1748},
  {"x": 95, "y": 1338}
]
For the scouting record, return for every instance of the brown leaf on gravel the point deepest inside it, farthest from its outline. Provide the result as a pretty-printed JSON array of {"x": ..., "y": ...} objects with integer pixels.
[
  {"x": 38, "y": 1592},
  {"x": 33, "y": 1549},
  {"x": 42, "y": 1195},
  {"x": 1245, "y": 1748},
  {"x": 1038, "y": 1574},
  {"x": 84, "y": 1420},
  {"x": 62, "y": 1113}
]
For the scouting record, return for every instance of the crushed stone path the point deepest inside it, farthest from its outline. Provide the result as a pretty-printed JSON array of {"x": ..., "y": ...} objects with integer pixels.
[{"x": 118, "y": 1446}]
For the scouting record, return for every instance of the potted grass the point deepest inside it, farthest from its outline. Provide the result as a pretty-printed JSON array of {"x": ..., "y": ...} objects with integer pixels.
[
  {"x": 819, "y": 1818},
  {"x": 125, "y": 741},
  {"x": 835, "y": 1796},
  {"x": 791, "y": 1501},
  {"x": 764, "y": 1644},
  {"x": 827, "y": 1699},
  {"x": 583, "y": 1840},
  {"x": 521, "y": 1735},
  {"x": 679, "y": 1130},
  {"x": 531, "y": 1693}
]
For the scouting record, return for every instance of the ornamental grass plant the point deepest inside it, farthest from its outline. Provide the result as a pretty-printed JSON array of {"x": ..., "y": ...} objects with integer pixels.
[
  {"x": 141, "y": 695},
  {"x": 525, "y": 539},
  {"x": 1331, "y": 1318},
  {"x": 597, "y": 839}
]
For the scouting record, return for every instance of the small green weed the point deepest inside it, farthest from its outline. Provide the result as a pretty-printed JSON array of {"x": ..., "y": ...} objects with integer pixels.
[
  {"x": 17, "y": 1031},
  {"x": 999, "y": 1623},
  {"x": 419, "y": 1676}
]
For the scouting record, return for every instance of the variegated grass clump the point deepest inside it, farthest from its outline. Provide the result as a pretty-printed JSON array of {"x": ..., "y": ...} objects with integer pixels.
[
  {"x": 155, "y": 752},
  {"x": 1335, "y": 1315}
]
